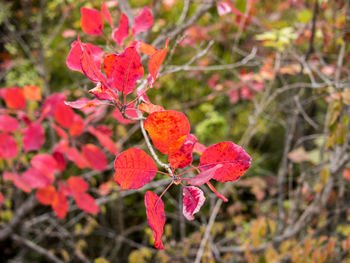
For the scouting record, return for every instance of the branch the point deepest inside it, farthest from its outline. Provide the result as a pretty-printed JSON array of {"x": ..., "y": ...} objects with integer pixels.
[
  {"x": 186, "y": 24},
  {"x": 22, "y": 211},
  {"x": 36, "y": 248}
]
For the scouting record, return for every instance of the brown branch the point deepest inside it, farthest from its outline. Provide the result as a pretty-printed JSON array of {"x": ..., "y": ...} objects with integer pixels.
[{"x": 20, "y": 213}]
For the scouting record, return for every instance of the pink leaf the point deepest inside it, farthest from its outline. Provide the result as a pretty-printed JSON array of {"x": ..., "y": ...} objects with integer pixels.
[
  {"x": 86, "y": 203},
  {"x": 234, "y": 159},
  {"x": 156, "y": 217},
  {"x": 133, "y": 169},
  {"x": 95, "y": 156},
  {"x": 205, "y": 176},
  {"x": 104, "y": 140},
  {"x": 91, "y": 21},
  {"x": 73, "y": 60},
  {"x": 36, "y": 179},
  {"x": 75, "y": 156},
  {"x": 143, "y": 21},
  {"x": 223, "y": 8},
  {"x": 122, "y": 31},
  {"x": 84, "y": 103},
  {"x": 45, "y": 163},
  {"x": 33, "y": 137},
  {"x": 17, "y": 181},
  {"x": 8, "y": 146},
  {"x": 8, "y": 123},
  {"x": 192, "y": 201},
  {"x": 106, "y": 14}
]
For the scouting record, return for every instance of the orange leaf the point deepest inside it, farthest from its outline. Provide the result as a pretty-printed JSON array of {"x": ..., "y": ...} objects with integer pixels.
[
  {"x": 166, "y": 127},
  {"x": 32, "y": 92}
]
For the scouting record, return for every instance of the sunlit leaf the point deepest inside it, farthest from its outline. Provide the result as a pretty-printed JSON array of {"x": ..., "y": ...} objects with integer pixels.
[
  {"x": 143, "y": 21},
  {"x": 91, "y": 21},
  {"x": 122, "y": 32},
  {"x": 166, "y": 127}
]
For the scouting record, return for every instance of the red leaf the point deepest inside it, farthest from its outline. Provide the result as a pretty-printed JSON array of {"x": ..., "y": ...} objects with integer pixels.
[
  {"x": 60, "y": 204},
  {"x": 73, "y": 60},
  {"x": 64, "y": 115},
  {"x": 106, "y": 14},
  {"x": 78, "y": 126},
  {"x": 150, "y": 108},
  {"x": 14, "y": 98},
  {"x": 104, "y": 140},
  {"x": 103, "y": 93},
  {"x": 143, "y": 21},
  {"x": 33, "y": 137},
  {"x": 85, "y": 202},
  {"x": 166, "y": 127},
  {"x": 192, "y": 201},
  {"x": 133, "y": 169},
  {"x": 84, "y": 103},
  {"x": 155, "y": 216},
  {"x": 129, "y": 111},
  {"x": 49, "y": 107},
  {"x": 205, "y": 176},
  {"x": 91, "y": 21},
  {"x": 182, "y": 157},
  {"x": 46, "y": 195},
  {"x": 36, "y": 179},
  {"x": 95, "y": 157},
  {"x": 75, "y": 156},
  {"x": 234, "y": 159},
  {"x": 88, "y": 65},
  {"x": 127, "y": 70},
  {"x": 8, "y": 123},
  {"x": 77, "y": 184},
  {"x": 8, "y": 146},
  {"x": 156, "y": 61},
  {"x": 122, "y": 31},
  {"x": 45, "y": 163},
  {"x": 60, "y": 160}
]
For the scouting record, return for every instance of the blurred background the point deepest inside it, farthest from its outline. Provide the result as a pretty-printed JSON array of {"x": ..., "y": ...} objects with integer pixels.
[{"x": 272, "y": 76}]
